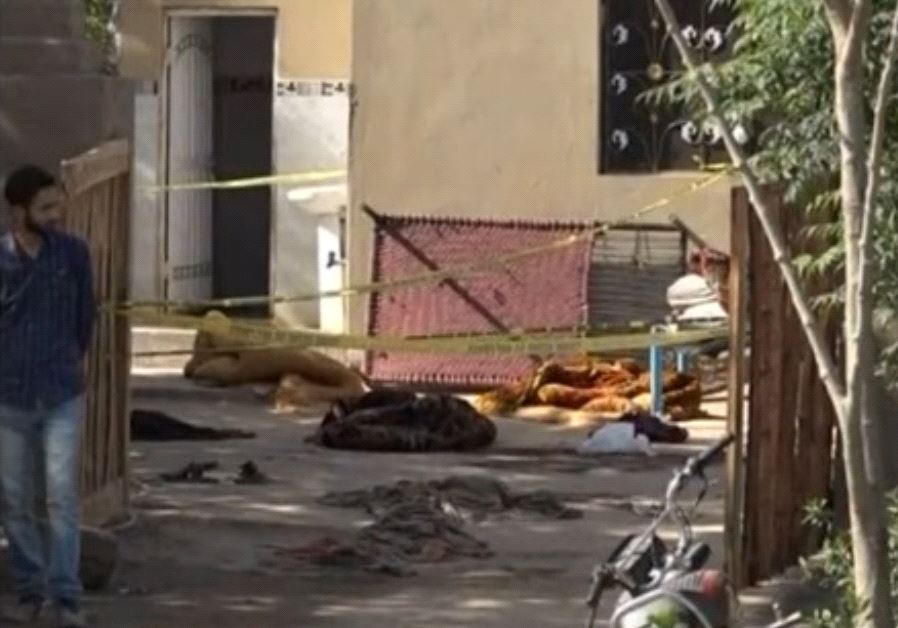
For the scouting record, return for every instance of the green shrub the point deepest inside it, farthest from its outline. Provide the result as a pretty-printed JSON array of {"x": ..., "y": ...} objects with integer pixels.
[{"x": 833, "y": 568}]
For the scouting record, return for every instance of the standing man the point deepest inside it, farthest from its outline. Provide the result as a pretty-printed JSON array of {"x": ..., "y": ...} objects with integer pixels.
[{"x": 46, "y": 321}]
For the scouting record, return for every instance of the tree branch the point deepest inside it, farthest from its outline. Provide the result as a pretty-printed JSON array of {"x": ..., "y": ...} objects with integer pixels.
[
  {"x": 823, "y": 358},
  {"x": 839, "y": 13},
  {"x": 877, "y": 140},
  {"x": 858, "y": 27},
  {"x": 859, "y": 10}
]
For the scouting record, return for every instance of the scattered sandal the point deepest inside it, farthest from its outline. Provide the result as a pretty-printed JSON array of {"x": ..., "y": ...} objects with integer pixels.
[
  {"x": 195, "y": 472},
  {"x": 251, "y": 474}
]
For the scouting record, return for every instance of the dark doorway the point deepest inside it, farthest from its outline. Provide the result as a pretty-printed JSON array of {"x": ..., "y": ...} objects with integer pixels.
[{"x": 243, "y": 121}]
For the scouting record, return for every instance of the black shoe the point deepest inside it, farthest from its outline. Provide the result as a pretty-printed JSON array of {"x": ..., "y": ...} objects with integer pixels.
[
  {"x": 27, "y": 609},
  {"x": 69, "y": 615}
]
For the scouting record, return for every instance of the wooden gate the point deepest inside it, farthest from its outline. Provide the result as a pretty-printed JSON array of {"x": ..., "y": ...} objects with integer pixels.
[
  {"x": 97, "y": 184},
  {"x": 785, "y": 420}
]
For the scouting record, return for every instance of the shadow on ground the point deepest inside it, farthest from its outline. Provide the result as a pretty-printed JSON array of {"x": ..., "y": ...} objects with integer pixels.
[{"x": 206, "y": 555}]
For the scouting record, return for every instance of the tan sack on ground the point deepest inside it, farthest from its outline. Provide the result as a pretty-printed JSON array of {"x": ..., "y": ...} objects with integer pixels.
[{"x": 304, "y": 377}]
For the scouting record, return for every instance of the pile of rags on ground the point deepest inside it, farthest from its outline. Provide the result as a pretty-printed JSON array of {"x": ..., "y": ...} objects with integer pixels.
[{"x": 593, "y": 389}]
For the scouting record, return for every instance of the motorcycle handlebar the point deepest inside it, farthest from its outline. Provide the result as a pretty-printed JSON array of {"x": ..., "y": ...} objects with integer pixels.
[
  {"x": 699, "y": 463},
  {"x": 694, "y": 467}
]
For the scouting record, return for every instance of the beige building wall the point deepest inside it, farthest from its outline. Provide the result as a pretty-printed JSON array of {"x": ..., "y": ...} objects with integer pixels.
[
  {"x": 489, "y": 108},
  {"x": 314, "y": 35}
]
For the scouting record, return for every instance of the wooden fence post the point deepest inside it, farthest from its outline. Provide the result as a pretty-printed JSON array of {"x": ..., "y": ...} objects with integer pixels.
[
  {"x": 97, "y": 184},
  {"x": 738, "y": 290}
]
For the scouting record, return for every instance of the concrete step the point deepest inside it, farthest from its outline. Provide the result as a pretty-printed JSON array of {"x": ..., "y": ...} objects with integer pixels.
[
  {"x": 62, "y": 19},
  {"x": 164, "y": 340},
  {"x": 44, "y": 56},
  {"x": 160, "y": 340}
]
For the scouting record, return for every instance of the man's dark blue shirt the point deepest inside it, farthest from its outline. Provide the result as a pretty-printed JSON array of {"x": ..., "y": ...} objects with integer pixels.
[{"x": 46, "y": 321}]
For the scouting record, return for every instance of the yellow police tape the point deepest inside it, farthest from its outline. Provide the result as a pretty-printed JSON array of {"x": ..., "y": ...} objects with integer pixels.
[
  {"x": 463, "y": 270},
  {"x": 251, "y": 182},
  {"x": 455, "y": 272},
  {"x": 312, "y": 176},
  {"x": 259, "y": 335}
]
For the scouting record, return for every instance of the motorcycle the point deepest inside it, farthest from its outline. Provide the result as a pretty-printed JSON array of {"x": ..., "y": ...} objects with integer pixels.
[{"x": 664, "y": 587}]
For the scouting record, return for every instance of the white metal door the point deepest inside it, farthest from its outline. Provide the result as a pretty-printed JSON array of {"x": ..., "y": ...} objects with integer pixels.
[{"x": 189, "y": 69}]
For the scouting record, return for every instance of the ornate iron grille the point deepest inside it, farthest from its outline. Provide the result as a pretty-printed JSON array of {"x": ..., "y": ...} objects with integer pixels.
[{"x": 639, "y": 54}]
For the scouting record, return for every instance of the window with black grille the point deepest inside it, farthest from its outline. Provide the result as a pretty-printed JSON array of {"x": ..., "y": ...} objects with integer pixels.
[{"x": 637, "y": 54}]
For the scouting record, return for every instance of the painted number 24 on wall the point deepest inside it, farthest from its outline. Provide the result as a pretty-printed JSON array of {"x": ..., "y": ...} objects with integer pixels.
[{"x": 313, "y": 88}]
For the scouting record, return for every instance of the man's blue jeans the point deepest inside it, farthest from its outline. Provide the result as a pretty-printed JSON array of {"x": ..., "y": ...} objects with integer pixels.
[{"x": 43, "y": 447}]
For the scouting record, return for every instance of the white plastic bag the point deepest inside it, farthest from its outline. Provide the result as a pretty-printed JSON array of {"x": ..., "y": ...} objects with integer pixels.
[{"x": 616, "y": 438}]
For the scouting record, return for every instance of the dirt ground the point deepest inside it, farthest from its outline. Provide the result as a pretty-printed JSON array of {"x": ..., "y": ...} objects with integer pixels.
[{"x": 205, "y": 555}]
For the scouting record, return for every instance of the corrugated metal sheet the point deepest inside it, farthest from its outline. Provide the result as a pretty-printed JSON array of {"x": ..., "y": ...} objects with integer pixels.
[{"x": 630, "y": 271}]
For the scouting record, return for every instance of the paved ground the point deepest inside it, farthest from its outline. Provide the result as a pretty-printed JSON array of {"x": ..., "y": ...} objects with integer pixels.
[{"x": 201, "y": 556}]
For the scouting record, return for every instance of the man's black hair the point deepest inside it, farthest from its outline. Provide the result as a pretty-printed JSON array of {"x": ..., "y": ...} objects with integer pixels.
[{"x": 24, "y": 183}]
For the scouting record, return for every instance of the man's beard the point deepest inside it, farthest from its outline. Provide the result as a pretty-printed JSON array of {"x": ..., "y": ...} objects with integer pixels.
[{"x": 37, "y": 229}]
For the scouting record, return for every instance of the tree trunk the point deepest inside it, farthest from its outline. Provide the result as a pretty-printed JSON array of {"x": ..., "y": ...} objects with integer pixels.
[
  {"x": 866, "y": 506},
  {"x": 860, "y": 425},
  {"x": 855, "y": 402}
]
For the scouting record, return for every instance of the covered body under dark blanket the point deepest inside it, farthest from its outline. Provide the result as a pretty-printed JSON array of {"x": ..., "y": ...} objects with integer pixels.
[
  {"x": 655, "y": 429},
  {"x": 150, "y": 425},
  {"x": 400, "y": 421}
]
